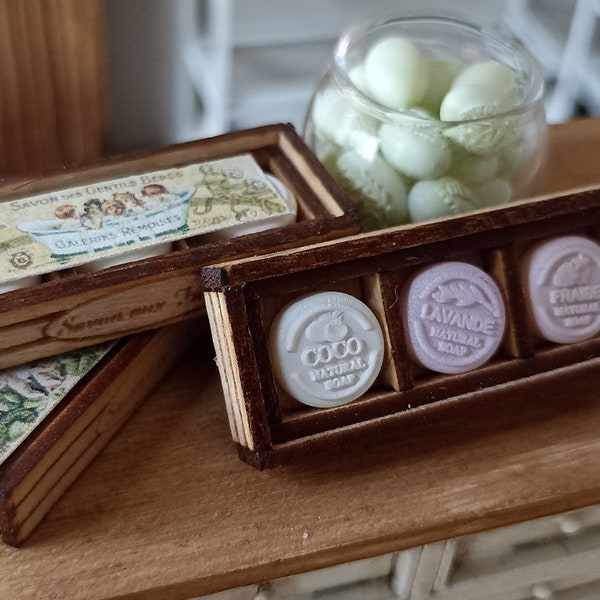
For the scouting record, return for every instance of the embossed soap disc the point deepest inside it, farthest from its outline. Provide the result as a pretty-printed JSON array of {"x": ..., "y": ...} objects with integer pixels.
[
  {"x": 454, "y": 317},
  {"x": 562, "y": 278},
  {"x": 326, "y": 349}
]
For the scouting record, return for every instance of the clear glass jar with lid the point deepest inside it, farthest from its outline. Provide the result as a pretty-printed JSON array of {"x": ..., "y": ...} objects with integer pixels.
[{"x": 425, "y": 117}]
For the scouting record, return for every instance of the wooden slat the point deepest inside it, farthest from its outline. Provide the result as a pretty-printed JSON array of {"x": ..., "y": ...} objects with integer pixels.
[
  {"x": 46, "y": 464},
  {"x": 53, "y": 94},
  {"x": 424, "y": 242},
  {"x": 503, "y": 264}
]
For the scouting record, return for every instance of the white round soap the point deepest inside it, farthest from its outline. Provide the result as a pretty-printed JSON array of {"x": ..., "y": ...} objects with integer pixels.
[
  {"x": 454, "y": 317},
  {"x": 326, "y": 349},
  {"x": 17, "y": 284},
  {"x": 420, "y": 151},
  {"x": 126, "y": 257},
  {"x": 562, "y": 281},
  {"x": 439, "y": 198},
  {"x": 396, "y": 73}
]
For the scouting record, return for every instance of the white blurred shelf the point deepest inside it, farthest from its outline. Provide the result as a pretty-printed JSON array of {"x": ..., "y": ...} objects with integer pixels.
[
  {"x": 280, "y": 50},
  {"x": 564, "y": 36},
  {"x": 183, "y": 69}
]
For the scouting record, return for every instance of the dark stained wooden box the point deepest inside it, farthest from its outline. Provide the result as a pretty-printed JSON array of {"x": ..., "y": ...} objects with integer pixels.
[
  {"x": 71, "y": 310},
  {"x": 56, "y": 452},
  {"x": 245, "y": 296}
]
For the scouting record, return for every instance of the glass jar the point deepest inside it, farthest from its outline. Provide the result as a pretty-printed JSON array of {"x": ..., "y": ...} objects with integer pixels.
[{"x": 425, "y": 117}]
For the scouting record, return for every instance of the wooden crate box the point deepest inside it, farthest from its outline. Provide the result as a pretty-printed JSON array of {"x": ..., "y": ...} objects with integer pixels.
[
  {"x": 71, "y": 310},
  {"x": 38, "y": 471},
  {"x": 271, "y": 428}
]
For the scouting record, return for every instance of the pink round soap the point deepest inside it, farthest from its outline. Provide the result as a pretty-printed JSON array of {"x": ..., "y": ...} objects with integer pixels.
[
  {"x": 562, "y": 281},
  {"x": 454, "y": 317},
  {"x": 326, "y": 349}
]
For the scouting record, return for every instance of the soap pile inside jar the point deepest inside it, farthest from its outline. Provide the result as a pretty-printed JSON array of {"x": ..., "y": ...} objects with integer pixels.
[{"x": 413, "y": 136}]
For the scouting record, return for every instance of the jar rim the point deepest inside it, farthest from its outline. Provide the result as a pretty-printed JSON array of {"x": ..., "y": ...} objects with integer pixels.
[{"x": 352, "y": 35}]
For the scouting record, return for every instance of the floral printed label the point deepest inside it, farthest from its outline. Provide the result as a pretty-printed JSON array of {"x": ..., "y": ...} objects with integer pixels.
[
  {"x": 29, "y": 392},
  {"x": 75, "y": 226}
]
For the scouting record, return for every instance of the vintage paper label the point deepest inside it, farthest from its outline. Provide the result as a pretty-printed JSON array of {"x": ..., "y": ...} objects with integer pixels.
[
  {"x": 78, "y": 225},
  {"x": 29, "y": 392}
]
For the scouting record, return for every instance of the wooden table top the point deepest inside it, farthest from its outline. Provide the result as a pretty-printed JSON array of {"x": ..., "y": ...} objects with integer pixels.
[{"x": 168, "y": 510}]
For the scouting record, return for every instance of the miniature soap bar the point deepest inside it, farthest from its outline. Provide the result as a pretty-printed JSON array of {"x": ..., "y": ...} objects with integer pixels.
[
  {"x": 562, "y": 280},
  {"x": 375, "y": 179},
  {"x": 419, "y": 152},
  {"x": 326, "y": 349},
  {"x": 439, "y": 198},
  {"x": 105, "y": 219},
  {"x": 126, "y": 257},
  {"x": 277, "y": 220},
  {"x": 454, "y": 317},
  {"x": 17, "y": 284},
  {"x": 396, "y": 73},
  {"x": 480, "y": 90}
]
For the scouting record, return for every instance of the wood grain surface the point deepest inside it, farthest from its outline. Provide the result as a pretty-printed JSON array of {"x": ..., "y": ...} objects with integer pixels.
[
  {"x": 168, "y": 510},
  {"x": 52, "y": 97}
]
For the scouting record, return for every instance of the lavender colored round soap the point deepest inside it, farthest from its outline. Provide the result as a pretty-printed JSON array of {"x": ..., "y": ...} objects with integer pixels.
[
  {"x": 454, "y": 317},
  {"x": 562, "y": 280},
  {"x": 326, "y": 349}
]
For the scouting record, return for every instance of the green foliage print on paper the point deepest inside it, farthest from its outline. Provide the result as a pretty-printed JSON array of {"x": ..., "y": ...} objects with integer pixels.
[
  {"x": 29, "y": 392},
  {"x": 223, "y": 195}
]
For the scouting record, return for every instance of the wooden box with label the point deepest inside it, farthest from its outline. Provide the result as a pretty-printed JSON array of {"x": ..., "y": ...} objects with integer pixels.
[
  {"x": 116, "y": 248},
  {"x": 361, "y": 338},
  {"x": 59, "y": 413}
]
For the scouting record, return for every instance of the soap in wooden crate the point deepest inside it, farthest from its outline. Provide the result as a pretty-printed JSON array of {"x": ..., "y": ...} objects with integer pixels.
[
  {"x": 73, "y": 308},
  {"x": 49, "y": 438},
  {"x": 477, "y": 340}
]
